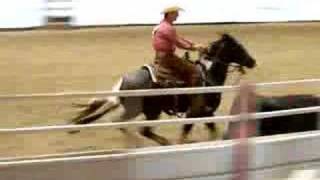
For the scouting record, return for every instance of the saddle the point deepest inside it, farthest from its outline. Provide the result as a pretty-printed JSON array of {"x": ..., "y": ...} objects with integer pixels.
[{"x": 165, "y": 78}]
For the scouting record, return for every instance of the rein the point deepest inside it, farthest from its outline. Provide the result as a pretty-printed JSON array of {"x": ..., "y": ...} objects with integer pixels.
[{"x": 237, "y": 68}]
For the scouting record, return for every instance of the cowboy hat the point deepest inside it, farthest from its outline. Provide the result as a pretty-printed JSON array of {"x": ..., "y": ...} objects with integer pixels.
[{"x": 172, "y": 9}]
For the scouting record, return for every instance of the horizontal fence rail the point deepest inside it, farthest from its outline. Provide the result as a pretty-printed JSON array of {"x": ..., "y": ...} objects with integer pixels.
[
  {"x": 65, "y": 155},
  {"x": 159, "y": 92},
  {"x": 116, "y": 125},
  {"x": 209, "y": 161},
  {"x": 200, "y": 147}
]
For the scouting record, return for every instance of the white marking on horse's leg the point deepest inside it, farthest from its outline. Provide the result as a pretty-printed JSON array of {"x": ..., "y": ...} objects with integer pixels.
[
  {"x": 131, "y": 138},
  {"x": 112, "y": 100},
  {"x": 129, "y": 111},
  {"x": 115, "y": 88}
]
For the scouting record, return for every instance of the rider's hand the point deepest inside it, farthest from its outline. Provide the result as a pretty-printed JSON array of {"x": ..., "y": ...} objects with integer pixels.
[{"x": 199, "y": 47}]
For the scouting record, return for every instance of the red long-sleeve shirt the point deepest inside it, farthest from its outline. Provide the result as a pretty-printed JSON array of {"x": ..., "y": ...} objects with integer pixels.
[{"x": 165, "y": 38}]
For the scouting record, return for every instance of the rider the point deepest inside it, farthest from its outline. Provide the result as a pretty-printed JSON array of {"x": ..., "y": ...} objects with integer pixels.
[{"x": 165, "y": 40}]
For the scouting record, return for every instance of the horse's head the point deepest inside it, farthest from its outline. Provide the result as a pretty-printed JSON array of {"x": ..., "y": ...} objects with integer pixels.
[{"x": 228, "y": 50}]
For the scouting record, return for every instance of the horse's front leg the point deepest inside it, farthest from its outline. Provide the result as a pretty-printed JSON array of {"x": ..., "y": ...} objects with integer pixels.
[
  {"x": 185, "y": 133},
  {"x": 211, "y": 126},
  {"x": 213, "y": 134},
  {"x": 148, "y": 131},
  {"x": 195, "y": 110},
  {"x": 213, "y": 131}
]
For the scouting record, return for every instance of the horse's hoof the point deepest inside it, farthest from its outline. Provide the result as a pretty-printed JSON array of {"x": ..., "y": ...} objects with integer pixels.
[
  {"x": 164, "y": 142},
  {"x": 73, "y": 132},
  {"x": 213, "y": 136},
  {"x": 186, "y": 141},
  {"x": 225, "y": 137}
]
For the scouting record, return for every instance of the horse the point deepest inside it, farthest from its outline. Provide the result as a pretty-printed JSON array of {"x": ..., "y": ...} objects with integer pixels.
[
  {"x": 214, "y": 65},
  {"x": 282, "y": 124}
]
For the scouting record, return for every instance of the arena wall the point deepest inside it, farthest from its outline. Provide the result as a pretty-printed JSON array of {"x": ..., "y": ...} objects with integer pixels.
[{"x": 34, "y": 13}]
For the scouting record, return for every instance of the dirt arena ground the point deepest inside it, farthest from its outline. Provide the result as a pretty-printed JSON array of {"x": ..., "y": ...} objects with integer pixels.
[{"x": 47, "y": 61}]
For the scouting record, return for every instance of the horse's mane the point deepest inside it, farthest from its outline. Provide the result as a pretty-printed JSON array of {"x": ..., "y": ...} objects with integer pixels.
[
  {"x": 228, "y": 37},
  {"x": 225, "y": 37}
]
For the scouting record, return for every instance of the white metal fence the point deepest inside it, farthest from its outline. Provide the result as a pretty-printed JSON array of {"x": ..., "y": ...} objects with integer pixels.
[
  {"x": 275, "y": 156},
  {"x": 160, "y": 92},
  {"x": 270, "y": 158}
]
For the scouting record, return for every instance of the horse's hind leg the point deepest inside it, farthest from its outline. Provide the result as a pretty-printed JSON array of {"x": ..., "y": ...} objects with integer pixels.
[{"x": 131, "y": 109}]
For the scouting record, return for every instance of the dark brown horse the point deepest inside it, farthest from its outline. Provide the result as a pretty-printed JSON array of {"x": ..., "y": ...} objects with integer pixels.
[{"x": 214, "y": 64}]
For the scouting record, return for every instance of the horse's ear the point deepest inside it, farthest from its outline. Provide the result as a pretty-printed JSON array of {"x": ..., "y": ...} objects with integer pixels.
[
  {"x": 223, "y": 35},
  {"x": 220, "y": 35}
]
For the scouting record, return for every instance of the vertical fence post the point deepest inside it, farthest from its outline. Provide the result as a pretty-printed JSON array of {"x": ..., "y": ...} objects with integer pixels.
[{"x": 245, "y": 129}]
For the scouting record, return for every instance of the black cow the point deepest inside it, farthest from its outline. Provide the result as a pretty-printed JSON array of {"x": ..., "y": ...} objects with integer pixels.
[{"x": 281, "y": 124}]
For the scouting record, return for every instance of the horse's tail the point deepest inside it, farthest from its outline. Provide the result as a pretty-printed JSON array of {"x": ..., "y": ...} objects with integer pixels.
[{"x": 96, "y": 108}]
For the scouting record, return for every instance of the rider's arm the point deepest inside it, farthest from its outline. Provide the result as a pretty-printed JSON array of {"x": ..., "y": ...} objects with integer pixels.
[
  {"x": 184, "y": 43},
  {"x": 170, "y": 34},
  {"x": 189, "y": 45}
]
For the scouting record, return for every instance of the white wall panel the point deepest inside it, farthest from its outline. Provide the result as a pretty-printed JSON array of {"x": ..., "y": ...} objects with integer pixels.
[
  {"x": 22, "y": 14},
  {"x": 97, "y": 12},
  {"x": 32, "y": 13}
]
